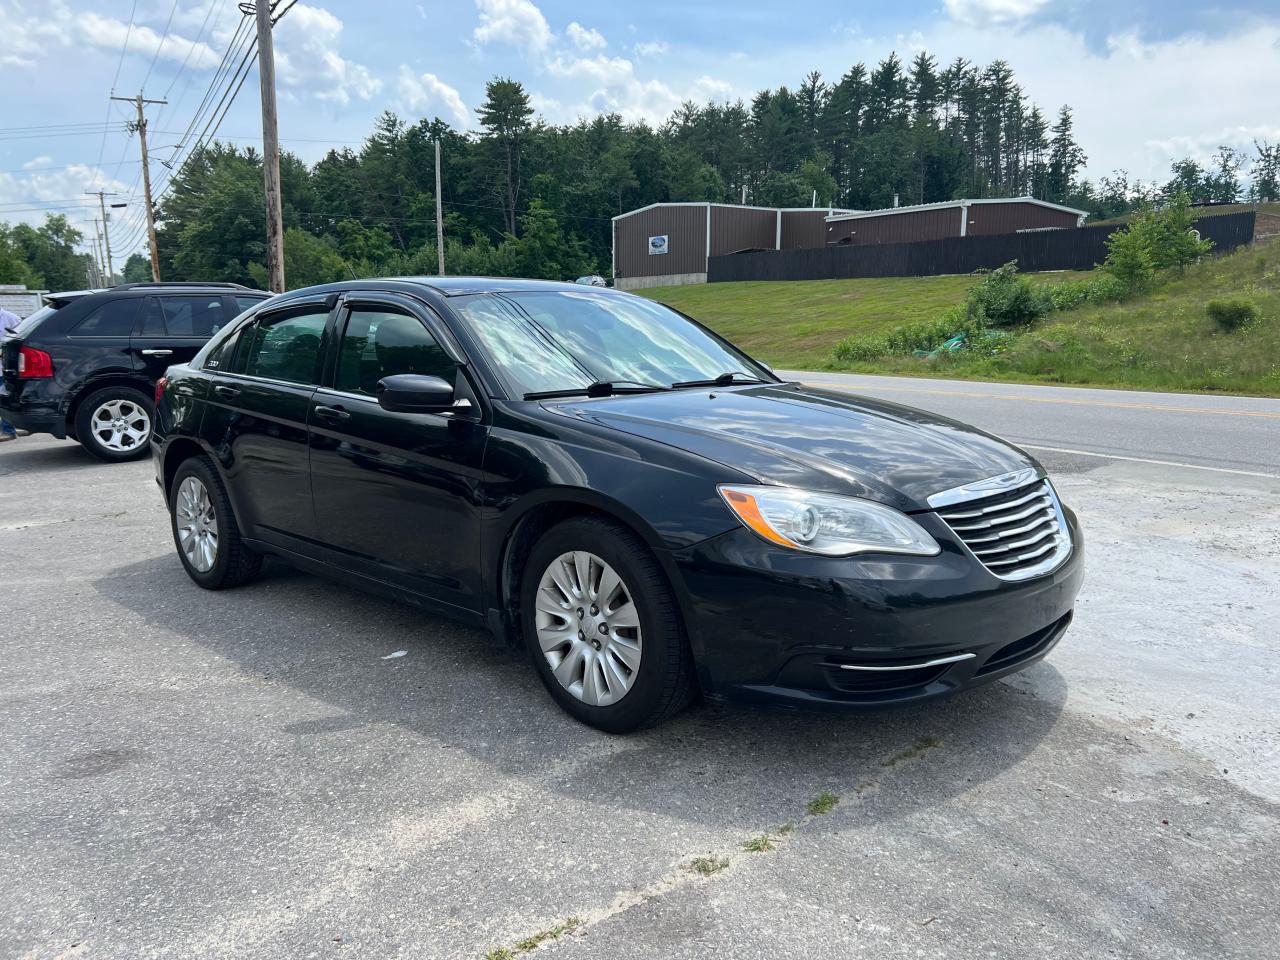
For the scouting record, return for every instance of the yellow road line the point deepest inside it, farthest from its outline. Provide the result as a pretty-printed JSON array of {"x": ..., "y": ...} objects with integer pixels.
[{"x": 1266, "y": 414}]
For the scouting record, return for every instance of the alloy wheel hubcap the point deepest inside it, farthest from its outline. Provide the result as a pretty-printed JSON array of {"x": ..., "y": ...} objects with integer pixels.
[
  {"x": 120, "y": 425},
  {"x": 588, "y": 628},
  {"x": 197, "y": 525}
]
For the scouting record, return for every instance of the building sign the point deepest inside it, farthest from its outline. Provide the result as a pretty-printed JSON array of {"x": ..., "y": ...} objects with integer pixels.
[{"x": 658, "y": 244}]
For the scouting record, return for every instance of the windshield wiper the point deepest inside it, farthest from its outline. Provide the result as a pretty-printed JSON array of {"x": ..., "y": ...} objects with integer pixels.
[
  {"x": 724, "y": 380},
  {"x": 601, "y": 388}
]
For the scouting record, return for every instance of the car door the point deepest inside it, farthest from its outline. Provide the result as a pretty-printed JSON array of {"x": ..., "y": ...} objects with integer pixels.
[
  {"x": 396, "y": 493},
  {"x": 173, "y": 328},
  {"x": 255, "y": 420}
]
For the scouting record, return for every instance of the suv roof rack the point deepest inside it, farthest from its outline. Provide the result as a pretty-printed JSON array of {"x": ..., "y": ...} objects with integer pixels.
[{"x": 180, "y": 283}]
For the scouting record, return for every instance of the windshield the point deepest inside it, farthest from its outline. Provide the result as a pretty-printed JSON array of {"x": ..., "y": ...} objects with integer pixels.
[{"x": 566, "y": 340}]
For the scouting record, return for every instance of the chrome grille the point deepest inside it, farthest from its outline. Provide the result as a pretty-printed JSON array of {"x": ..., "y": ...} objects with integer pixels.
[{"x": 1018, "y": 534}]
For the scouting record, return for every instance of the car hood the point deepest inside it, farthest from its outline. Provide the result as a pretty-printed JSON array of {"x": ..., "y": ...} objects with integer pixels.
[{"x": 801, "y": 436}]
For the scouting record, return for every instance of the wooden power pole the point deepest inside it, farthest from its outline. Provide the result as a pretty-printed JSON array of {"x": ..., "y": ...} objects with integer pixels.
[
  {"x": 270, "y": 149},
  {"x": 439, "y": 216},
  {"x": 140, "y": 125},
  {"x": 106, "y": 232}
]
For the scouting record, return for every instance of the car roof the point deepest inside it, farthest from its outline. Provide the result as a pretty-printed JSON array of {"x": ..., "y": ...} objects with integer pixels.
[{"x": 461, "y": 286}]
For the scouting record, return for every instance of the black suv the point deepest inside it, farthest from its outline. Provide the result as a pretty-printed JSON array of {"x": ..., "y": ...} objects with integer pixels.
[{"x": 85, "y": 365}]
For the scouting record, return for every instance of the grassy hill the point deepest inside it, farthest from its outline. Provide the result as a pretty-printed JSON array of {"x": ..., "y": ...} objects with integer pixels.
[
  {"x": 795, "y": 324},
  {"x": 1164, "y": 341}
]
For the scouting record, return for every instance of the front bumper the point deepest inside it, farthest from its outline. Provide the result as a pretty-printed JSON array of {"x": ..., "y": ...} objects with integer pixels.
[{"x": 773, "y": 624}]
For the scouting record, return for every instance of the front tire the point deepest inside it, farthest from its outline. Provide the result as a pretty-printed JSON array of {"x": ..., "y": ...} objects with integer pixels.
[
  {"x": 114, "y": 424},
  {"x": 205, "y": 530},
  {"x": 601, "y": 623}
]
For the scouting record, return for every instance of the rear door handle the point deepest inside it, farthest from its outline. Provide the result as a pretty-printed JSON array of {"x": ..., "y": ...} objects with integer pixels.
[
  {"x": 157, "y": 353},
  {"x": 227, "y": 393},
  {"x": 331, "y": 413}
]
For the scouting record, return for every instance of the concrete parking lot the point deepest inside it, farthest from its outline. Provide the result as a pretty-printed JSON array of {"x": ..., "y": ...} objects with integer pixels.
[{"x": 295, "y": 769}]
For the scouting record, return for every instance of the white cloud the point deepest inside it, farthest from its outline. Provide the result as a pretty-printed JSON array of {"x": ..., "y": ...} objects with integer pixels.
[
  {"x": 585, "y": 38},
  {"x": 987, "y": 12},
  {"x": 425, "y": 93},
  {"x": 31, "y": 32},
  {"x": 518, "y": 23},
  {"x": 94, "y": 30},
  {"x": 21, "y": 193},
  {"x": 615, "y": 88},
  {"x": 651, "y": 48},
  {"x": 597, "y": 82},
  {"x": 307, "y": 61}
]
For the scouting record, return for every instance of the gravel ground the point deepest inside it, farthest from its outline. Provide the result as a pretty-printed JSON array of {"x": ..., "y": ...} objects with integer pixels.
[{"x": 255, "y": 774}]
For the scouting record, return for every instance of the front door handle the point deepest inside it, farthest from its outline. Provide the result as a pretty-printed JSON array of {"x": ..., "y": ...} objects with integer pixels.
[
  {"x": 157, "y": 353},
  {"x": 227, "y": 393},
  {"x": 331, "y": 413}
]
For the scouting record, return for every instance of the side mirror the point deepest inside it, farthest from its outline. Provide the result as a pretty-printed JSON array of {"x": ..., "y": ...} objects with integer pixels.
[{"x": 414, "y": 393}]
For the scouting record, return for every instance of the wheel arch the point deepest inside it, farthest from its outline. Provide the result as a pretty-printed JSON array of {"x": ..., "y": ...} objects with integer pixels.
[
  {"x": 177, "y": 451},
  {"x": 540, "y": 514},
  {"x": 99, "y": 382}
]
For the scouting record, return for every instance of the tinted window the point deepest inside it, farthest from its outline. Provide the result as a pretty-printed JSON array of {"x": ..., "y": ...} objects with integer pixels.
[
  {"x": 282, "y": 348},
  {"x": 30, "y": 323},
  {"x": 184, "y": 317},
  {"x": 377, "y": 344},
  {"x": 112, "y": 319},
  {"x": 247, "y": 303}
]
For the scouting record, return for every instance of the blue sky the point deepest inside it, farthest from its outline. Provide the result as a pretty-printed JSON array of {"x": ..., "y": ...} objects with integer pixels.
[{"x": 1150, "y": 81}]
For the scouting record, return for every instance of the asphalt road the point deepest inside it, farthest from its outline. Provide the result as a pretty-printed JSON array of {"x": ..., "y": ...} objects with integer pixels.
[
  {"x": 293, "y": 769},
  {"x": 1235, "y": 433}
]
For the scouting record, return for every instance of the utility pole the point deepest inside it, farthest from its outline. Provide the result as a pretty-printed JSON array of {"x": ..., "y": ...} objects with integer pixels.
[
  {"x": 106, "y": 233},
  {"x": 439, "y": 220},
  {"x": 270, "y": 148},
  {"x": 140, "y": 125},
  {"x": 97, "y": 253}
]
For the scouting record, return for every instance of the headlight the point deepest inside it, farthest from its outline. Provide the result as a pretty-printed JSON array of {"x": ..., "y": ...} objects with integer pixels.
[{"x": 826, "y": 524}]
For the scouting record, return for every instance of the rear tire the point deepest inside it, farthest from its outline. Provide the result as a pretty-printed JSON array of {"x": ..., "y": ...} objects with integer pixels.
[
  {"x": 643, "y": 648},
  {"x": 115, "y": 424},
  {"x": 205, "y": 530}
]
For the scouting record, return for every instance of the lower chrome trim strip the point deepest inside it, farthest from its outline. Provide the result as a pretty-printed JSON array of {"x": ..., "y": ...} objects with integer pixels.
[{"x": 940, "y": 661}]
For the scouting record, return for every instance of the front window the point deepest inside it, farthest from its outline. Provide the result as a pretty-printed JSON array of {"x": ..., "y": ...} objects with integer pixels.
[
  {"x": 567, "y": 340},
  {"x": 183, "y": 317},
  {"x": 381, "y": 343}
]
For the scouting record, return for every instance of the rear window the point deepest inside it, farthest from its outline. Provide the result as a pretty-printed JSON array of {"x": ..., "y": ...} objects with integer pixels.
[
  {"x": 247, "y": 303},
  {"x": 30, "y": 323},
  {"x": 111, "y": 319}
]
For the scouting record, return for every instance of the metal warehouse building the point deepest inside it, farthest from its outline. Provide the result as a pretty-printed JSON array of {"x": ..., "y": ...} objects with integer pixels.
[
  {"x": 670, "y": 243},
  {"x": 952, "y": 218}
]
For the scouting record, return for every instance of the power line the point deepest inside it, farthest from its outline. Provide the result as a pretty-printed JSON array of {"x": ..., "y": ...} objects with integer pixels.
[{"x": 160, "y": 46}]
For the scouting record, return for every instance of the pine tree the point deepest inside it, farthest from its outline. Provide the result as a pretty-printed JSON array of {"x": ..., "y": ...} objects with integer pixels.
[
  {"x": 1065, "y": 158},
  {"x": 504, "y": 115}
]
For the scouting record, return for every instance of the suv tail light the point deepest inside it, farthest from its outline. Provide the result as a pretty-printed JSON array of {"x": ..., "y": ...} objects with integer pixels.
[
  {"x": 160, "y": 386},
  {"x": 34, "y": 364}
]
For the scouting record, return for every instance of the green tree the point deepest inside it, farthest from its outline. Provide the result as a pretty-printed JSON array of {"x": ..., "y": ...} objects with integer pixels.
[
  {"x": 13, "y": 262},
  {"x": 504, "y": 115},
  {"x": 1265, "y": 173},
  {"x": 137, "y": 269},
  {"x": 1065, "y": 158}
]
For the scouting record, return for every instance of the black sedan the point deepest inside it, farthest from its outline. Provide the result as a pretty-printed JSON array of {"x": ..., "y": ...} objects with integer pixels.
[{"x": 598, "y": 478}]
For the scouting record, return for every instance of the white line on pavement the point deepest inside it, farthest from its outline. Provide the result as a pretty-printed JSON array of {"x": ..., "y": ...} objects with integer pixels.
[{"x": 1162, "y": 463}]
